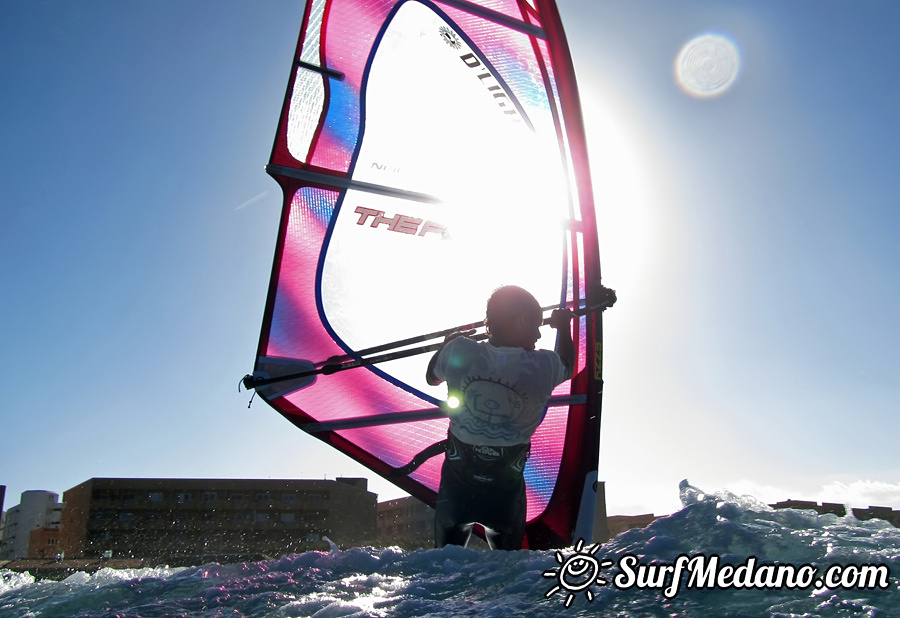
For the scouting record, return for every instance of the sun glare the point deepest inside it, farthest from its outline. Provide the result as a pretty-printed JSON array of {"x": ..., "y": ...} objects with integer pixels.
[
  {"x": 623, "y": 185},
  {"x": 707, "y": 66}
]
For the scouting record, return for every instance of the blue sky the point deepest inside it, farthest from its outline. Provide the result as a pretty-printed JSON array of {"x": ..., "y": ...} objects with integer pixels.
[{"x": 751, "y": 238}]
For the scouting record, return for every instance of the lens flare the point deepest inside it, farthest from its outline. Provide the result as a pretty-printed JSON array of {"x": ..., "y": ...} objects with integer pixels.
[{"x": 707, "y": 65}]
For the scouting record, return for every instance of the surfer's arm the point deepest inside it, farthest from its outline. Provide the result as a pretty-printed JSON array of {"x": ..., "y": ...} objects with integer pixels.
[
  {"x": 431, "y": 373},
  {"x": 430, "y": 377},
  {"x": 561, "y": 320}
]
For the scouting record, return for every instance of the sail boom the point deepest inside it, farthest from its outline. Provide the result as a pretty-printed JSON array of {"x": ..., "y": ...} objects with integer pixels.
[
  {"x": 390, "y": 418},
  {"x": 394, "y": 418}
]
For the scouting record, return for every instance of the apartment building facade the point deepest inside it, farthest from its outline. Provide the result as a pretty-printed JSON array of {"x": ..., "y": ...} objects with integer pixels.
[
  {"x": 405, "y": 522},
  {"x": 37, "y": 509},
  {"x": 183, "y": 521}
]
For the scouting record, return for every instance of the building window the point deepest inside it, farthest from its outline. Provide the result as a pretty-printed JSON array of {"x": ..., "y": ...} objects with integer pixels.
[
  {"x": 181, "y": 498},
  {"x": 288, "y": 518},
  {"x": 262, "y": 517},
  {"x": 208, "y": 496},
  {"x": 155, "y": 496},
  {"x": 236, "y": 498},
  {"x": 315, "y": 497},
  {"x": 126, "y": 517},
  {"x": 100, "y": 495},
  {"x": 264, "y": 497},
  {"x": 127, "y": 497},
  {"x": 289, "y": 498}
]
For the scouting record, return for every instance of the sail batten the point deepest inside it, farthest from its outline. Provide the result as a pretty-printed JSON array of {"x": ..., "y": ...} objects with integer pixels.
[
  {"x": 339, "y": 182},
  {"x": 320, "y": 69},
  {"x": 418, "y": 140},
  {"x": 495, "y": 16}
]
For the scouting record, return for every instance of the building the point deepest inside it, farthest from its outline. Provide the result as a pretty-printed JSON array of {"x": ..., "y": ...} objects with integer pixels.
[
  {"x": 617, "y": 524},
  {"x": 37, "y": 509},
  {"x": 405, "y": 522},
  {"x": 43, "y": 543},
  {"x": 826, "y": 507},
  {"x": 190, "y": 521},
  {"x": 878, "y": 512},
  {"x": 873, "y": 512}
]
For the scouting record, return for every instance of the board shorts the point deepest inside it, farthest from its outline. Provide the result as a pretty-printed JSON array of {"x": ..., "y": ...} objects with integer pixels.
[{"x": 485, "y": 485}]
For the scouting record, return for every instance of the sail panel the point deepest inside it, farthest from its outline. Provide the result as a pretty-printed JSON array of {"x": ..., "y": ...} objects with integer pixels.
[
  {"x": 309, "y": 90},
  {"x": 542, "y": 468}
]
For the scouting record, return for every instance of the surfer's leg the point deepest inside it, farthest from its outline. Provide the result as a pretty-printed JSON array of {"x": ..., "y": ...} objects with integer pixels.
[
  {"x": 507, "y": 519},
  {"x": 510, "y": 538},
  {"x": 450, "y": 512},
  {"x": 451, "y": 533}
]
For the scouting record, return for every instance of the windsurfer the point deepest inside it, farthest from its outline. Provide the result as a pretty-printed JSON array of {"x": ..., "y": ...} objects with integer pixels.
[{"x": 502, "y": 387}]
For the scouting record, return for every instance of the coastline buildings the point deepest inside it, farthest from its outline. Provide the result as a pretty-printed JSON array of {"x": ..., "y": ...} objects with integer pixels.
[
  {"x": 826, "y": 507},
  {"x": 405, "y": 522},
  {"x": 190, "y": 521},
  {"x": 622, "y": 523},
  {"x": 885, "y": 513},
  {"x": 37, "y": 510}
]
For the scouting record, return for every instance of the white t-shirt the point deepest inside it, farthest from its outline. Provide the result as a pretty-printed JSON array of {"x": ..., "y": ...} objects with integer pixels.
[{"x": 502, "y": 391}]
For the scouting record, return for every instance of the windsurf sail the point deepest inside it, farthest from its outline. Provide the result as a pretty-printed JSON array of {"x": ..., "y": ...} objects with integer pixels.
[{"x": 429, "y": 152}]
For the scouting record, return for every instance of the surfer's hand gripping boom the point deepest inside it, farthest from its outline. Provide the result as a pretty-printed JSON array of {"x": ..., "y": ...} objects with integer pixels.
[
  {"x": 560, "y": 318},
  {"x": 341, "y": 363}
]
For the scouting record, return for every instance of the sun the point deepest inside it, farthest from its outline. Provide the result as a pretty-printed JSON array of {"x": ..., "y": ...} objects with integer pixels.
[{"x": 707, "y": 65}]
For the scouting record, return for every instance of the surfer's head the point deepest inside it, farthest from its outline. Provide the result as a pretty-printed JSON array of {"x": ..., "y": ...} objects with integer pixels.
[{"x": 513, "y": 318}]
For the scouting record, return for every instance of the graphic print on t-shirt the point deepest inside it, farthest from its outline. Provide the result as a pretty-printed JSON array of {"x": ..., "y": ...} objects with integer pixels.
[{"x": 494, "y": 408}]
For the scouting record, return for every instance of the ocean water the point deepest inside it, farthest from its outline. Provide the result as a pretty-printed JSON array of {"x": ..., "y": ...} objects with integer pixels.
[{"x": 736, "y": 541}]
